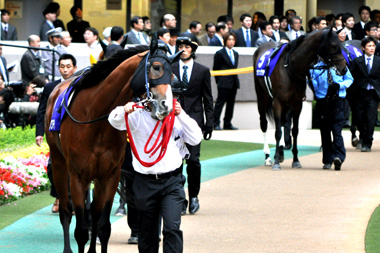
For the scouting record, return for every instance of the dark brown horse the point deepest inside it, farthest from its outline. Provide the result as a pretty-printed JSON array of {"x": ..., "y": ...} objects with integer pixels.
[
  {"x": 288, "y": 81},
  {"x": 85, "y": 153}
]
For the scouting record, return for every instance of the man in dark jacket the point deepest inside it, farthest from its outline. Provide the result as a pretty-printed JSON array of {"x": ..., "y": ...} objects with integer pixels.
[
  {"x": 226, "y": 58},
  {"x": 198, "y": 104},
  {"x": 31, "y": 63}
]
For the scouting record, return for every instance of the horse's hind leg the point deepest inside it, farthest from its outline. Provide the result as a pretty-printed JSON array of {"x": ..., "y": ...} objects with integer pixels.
[
  {"x": 78, "y": 195},
  {"x": 296, "y": 115},
  {"x": 61, "y": 179},
  {"x": 262, "y": 103},
  {"x": 277, "y": 109}
]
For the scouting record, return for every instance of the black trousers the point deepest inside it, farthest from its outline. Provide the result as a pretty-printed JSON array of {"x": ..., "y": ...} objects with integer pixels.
[
  {"x": 154, "y": 197},
  {"x": 225, "y": 96},
  {"x": 367, "y": 112},
  {"x": 193, "y": 170},
  {"x": 127, "y": 178},
  {"x": 331, "y": 124}
]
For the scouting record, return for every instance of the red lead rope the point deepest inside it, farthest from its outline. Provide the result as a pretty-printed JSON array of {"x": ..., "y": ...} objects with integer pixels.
[{"x": 165, "y": 131}]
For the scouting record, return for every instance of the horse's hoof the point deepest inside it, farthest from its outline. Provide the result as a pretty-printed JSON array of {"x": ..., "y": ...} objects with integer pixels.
[
  {"x": 276, "y": 167},
  {"x": 268, "y": 162},
  {"x": 281, "y": 159},
  {"x": 296, "y": 165}
]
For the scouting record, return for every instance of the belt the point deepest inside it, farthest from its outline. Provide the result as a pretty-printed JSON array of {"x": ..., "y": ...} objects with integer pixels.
[{"x": 162, "y": 175}]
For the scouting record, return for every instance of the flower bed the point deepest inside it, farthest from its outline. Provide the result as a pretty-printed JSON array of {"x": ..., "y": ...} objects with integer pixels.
[{"x": 23, "y": 172}]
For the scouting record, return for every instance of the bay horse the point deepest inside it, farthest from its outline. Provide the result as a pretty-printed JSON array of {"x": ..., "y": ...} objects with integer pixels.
[
  {"x": 94, "y": 152},
  {"x": 288, "y": 81}
]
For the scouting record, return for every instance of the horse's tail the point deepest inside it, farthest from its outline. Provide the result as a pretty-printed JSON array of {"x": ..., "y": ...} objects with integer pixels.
[{"x": 269, "y": 109}]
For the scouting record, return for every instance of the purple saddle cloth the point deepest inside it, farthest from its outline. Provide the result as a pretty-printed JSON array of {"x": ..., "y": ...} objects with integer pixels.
[
  {"x": 351, "y": 53},
  {"x": 59, "y": 110},
  {"x": 268, "y": 61}
]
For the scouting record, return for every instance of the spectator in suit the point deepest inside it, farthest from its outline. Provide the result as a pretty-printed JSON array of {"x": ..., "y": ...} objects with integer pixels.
[
  {"x": 77, "y": 26},
  {"x": 348, "y": 21},
  {"x": 3, "y": 66},
  {"x": 289, "y": 14},
  {"x": 197, "y": 102},
  {"x": 117, "y": 33},
  {"x": 174, "y": 33},
  {"x": 163, "y": 35},
  {"x": 245, "y": 36},
  {"x": 136, "y": 36},
  {"x": 67, "y": 67},
  {"x": 54, "y": 6},
  {"x": 228, "y": 20},
  {"x": 47, "y": 56},
  {"x": 266, "y": 29},
  {"x": 168, "y": 21},
  {"x": 221, "y": 29},
  {"x": 226, "y": 58},
  {"x": 358, "y": 29},
  {"x": 204, "y": 40},
  {"x": 195, "y": 28},
  {"x": 371, "y": 29},
  {"x": 283, "y": 24},
  {"x": 365, "y": 70},
  {"x": 338, "y": 21},
  {"x": 91, "y": 38},
  {"x": 8, "y": 31},
  {"x": 31, "y": 62},
  {"x": 277, "y": 34},
  {"x": 320, "y": 23},
  {"x": 47, "y": 25},
  {"x": 295, "y": 32},
  {"x": 66, "y": 41}
]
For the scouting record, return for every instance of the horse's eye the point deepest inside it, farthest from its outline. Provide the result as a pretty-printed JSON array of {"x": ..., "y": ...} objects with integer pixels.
[{"x": 156, "y": 67}]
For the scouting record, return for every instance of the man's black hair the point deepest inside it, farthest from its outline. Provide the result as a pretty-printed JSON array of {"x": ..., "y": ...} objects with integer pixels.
[
  {"x": 135, "y": 20},
  {"x": 219, "y": 26},
  {"x": 93, "y": 30},
  {"x": 364, "y": 7},
  {"x": 346, "y": 16},
  {"x": 116, "y": 33},
  {"x": 4, "y": 11},
  {"x": 243, "y": 16},
  {"x": 193, "y": 24},
  {"x": 264, "y": 24},
  {"x": 367, "y": 40},
  {"x": 272, "y": 18},
  {"x": 208, "y": 25},
  {"x": 369, "y": 25},
  {"x": 319, "y": 19},
  {"x": 67, "y": 57},
  {"x": 74, "y": 9}
]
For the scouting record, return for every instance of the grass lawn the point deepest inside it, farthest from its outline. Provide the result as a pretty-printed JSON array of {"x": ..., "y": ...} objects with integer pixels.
[
  {"x": 372, "y": 236},
  {"x": 25, "y": 206}
]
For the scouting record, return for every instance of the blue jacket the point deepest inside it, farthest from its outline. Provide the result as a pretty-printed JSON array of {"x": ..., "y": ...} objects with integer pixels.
[{"x": 320, "y": 82}]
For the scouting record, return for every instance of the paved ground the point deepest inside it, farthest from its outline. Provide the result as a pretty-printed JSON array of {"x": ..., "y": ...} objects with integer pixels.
[{"x": 292, "y": 210}]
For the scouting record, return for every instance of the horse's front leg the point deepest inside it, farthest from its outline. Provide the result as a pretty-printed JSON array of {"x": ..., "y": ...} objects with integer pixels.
[{"x": 296, "y": 115}]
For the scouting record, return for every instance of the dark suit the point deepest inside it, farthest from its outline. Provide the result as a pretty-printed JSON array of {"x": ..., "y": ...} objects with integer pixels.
[
  {"x": 367, "y": 100},
  {"x": 358, "y": 31},
  {"x": 215, "y": 42},
  {"x": 76, "y": 30},
  {"x": 198, "y": 104},
  {"x": 59, "y": 23},
  {"x": 30, "y": 66},
  {"x": 45, "y": 27},
  {"x": 6, "y": 74},
  {"x": 40, "y": 127},
  {"x": 240, "y": 38},
  {"x": 282, "y": 36},
  {"x": 11, "y": 34},
  {"x": 132, "y": 38},
  {"x": 227, "y": 87}
]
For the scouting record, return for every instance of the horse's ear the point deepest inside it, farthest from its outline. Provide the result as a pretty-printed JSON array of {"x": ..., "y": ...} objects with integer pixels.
[
  {"x": 124, "y": 41},
  {"x": 102, "y": 44},
  {"x": 153, "y": 43},
  {"x": 175, "y": 57}
]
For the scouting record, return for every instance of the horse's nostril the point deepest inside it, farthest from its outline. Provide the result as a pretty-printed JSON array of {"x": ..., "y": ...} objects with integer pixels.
[{"x": 163, "y": 104}]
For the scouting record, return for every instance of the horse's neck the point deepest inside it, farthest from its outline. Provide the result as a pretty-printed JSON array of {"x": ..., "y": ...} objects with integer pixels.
[{"x": 304, "y": 56}]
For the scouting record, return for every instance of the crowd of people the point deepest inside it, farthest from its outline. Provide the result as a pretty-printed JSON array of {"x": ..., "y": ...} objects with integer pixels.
[{"x": 45, "y": 69}]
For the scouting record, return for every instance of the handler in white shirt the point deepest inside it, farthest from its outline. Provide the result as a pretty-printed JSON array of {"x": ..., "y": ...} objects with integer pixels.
[{"x": 158, "y": 188}]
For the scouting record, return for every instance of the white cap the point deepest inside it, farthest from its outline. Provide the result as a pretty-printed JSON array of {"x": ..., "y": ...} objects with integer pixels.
[{"x": 107, "y": 32}]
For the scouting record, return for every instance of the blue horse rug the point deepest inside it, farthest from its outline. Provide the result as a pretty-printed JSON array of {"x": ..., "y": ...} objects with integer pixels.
[
  {"x": 268, "y": 61},
  {"x": 350, "y": 52},
  {"x": 59, "y": 110}
]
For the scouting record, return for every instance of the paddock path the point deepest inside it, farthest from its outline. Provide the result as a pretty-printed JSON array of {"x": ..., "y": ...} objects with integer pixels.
[{"x": 292, "y": 210}]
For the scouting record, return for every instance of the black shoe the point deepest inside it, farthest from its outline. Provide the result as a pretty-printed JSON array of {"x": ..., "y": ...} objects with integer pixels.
[
  {"x": 133, "y": 239},
  {"x": 337, "y": 163},
  {"x": 326, "y": 166},
  {"x": 366, "y": 149},
  {"x": 230, "y": 127},
  {"x": 217, "y": 127},
  {"x": 121, "y": 211},
  {"x": 354, "y": 141},
  {"x": 194, "y": 205},
  {"x": 287, "y": 146}
]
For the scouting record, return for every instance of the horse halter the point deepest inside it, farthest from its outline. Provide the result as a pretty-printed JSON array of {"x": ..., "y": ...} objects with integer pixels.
[{"x": 323, "y": 50}]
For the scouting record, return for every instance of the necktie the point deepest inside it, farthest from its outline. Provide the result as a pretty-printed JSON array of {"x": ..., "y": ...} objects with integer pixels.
[
  {"x": 5, "y": 32},
  {"x": 368, "y": 65},
  {"x": 185, "y": 81},
  {"x": 232, "y": 57},
  {"x": 247, "y": 40},
  {"x": 296, "y": 35},
  {"x": 369, "y": 86},
  {"x": 139, "y": 37}
]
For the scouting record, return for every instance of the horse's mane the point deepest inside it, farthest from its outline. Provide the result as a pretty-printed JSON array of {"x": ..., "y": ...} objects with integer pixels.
[
  {"x": 294, "y": 44},
  {"x": 102, "y": 69}
]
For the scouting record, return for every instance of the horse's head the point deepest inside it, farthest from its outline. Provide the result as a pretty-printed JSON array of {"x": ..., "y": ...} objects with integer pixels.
[
  {"x": 157, "y": 79},
  {"x": 330, "y": 51}
]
